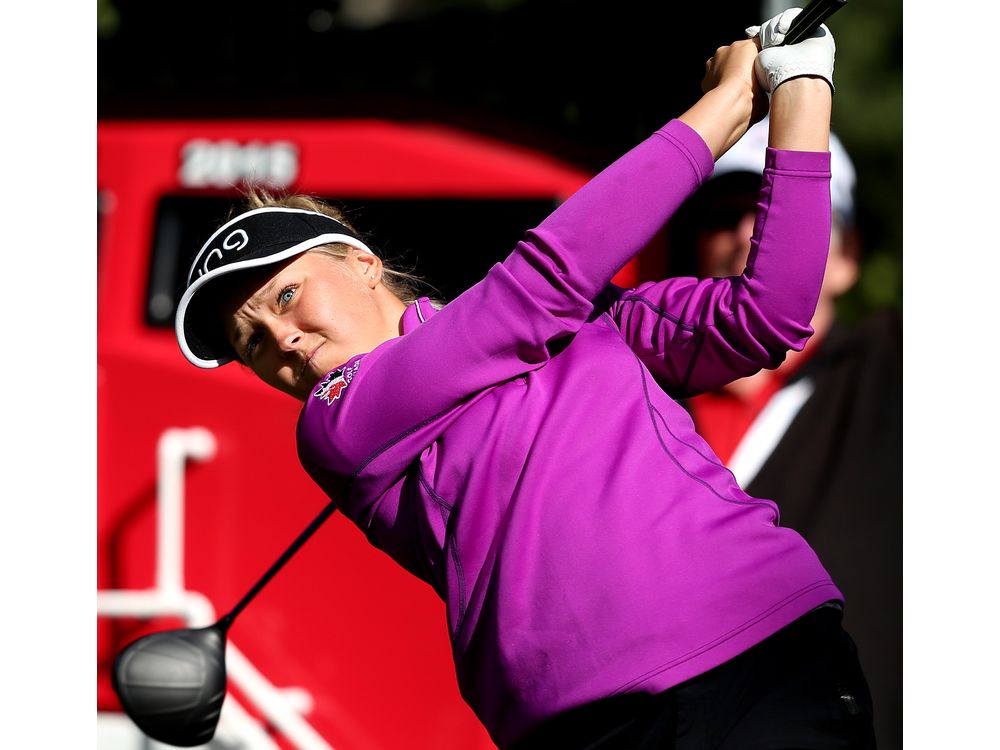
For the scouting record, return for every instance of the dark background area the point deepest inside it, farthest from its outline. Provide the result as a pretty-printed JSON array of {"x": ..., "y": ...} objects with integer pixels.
[{"x": 583, "y": 81}]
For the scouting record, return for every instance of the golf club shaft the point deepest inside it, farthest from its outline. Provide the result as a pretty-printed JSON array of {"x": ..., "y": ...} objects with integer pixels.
[
  {"x": 301, "y": 539},
  {"x": 806, "y": 22}
]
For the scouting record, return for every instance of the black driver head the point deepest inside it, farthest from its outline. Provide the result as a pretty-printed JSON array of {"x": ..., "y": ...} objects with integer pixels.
[{"x": 172, "y": 683}]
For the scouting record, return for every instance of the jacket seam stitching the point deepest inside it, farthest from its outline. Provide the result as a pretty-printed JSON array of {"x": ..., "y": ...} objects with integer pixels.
[
  {"x": 393, "y": 441},
  {"x": 659, "y": 437},
  {"x": 686, "y": 380},
  {"x": 659, "y": 311},
  {"x": 450, "y": 541}
]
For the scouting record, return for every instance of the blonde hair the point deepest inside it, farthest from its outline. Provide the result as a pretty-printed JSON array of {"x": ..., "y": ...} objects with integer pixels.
[{"x": 407, "y": 286}]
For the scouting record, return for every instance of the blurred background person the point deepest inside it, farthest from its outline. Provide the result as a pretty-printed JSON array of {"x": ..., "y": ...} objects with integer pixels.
[{"x": 822, "y": 434}]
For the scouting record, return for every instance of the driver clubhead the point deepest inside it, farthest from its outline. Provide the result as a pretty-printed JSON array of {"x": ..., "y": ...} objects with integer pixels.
[{"x": 172, "y": 683}]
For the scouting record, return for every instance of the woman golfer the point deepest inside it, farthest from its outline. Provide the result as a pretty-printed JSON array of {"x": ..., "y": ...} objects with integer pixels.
[{"x": 608, "y": 583}]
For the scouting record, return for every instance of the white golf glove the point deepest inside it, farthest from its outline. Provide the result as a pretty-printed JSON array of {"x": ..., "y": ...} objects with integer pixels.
[{"x": 813, "y": 56}]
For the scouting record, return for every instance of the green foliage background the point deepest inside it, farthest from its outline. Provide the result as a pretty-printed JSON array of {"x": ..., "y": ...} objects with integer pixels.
[{"x": 868, "y": 118}]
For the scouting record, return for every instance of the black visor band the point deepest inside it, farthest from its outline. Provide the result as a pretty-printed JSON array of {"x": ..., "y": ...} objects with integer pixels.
[{"x": 261, "y": 233}]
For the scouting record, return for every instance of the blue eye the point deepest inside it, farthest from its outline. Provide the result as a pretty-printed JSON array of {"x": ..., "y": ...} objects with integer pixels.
[{"x": 286, "y": 294}]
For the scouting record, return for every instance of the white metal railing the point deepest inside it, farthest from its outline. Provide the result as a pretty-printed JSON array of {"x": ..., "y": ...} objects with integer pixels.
[{"x": 282, "y": 707}]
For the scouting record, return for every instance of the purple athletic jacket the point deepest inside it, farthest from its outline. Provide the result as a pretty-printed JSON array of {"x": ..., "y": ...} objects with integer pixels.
[{"x": 514, "y": 451}]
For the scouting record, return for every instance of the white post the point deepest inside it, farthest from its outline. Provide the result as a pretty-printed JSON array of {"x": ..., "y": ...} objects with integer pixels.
[{"x": 174, "y": 448}]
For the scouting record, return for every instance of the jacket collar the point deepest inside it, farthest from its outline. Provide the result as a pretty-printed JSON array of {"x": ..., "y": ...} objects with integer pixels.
[{"x": 419, "y": 312}]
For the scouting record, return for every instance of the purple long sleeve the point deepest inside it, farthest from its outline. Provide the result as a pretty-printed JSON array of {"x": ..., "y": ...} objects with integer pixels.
[
  {"x": 513, "y": 450},
  {"x": 698, "y": 335}
]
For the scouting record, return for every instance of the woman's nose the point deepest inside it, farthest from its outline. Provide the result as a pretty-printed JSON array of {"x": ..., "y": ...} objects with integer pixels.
[
  {"x": 744, "y": 229},
  {"x": 287, "y": 336},
  {"x": 741, "y": 236},
  {"x": 291, "y": 341}
]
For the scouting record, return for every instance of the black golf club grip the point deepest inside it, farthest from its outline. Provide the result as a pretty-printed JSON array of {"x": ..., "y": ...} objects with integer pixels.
[{"x": 806, "y": 22}]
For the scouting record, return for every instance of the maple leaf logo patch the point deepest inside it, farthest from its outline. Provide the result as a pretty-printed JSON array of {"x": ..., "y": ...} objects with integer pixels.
[{"x": 333, "y": 385}]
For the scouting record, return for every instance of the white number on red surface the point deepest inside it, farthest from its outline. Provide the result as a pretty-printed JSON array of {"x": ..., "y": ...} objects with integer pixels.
[{"x": 225, "y": 163}]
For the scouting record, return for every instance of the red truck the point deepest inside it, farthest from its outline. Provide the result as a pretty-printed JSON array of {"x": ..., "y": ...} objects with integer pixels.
[{"x": 199, "y": 487}]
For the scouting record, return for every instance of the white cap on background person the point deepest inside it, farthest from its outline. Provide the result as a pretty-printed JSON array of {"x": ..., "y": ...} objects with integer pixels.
[{"x": 747, "y": 155}]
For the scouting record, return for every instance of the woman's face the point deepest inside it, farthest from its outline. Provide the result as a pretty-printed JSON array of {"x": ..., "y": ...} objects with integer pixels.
[{"x": 310, "y": 316}]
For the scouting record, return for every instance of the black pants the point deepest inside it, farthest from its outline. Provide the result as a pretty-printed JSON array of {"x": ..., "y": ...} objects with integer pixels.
[{"x": 801, "y": 688}]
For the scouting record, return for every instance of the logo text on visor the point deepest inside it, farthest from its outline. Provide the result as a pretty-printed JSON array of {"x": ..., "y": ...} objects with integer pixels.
[{"x": 235, "y": 241}]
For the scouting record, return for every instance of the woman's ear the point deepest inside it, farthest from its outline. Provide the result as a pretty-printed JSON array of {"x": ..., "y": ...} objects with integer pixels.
[{"x": 368, "y": 266}]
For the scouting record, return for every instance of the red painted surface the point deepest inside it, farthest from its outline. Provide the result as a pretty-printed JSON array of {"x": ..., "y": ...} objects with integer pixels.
[{"x": 367, "y": 640}]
